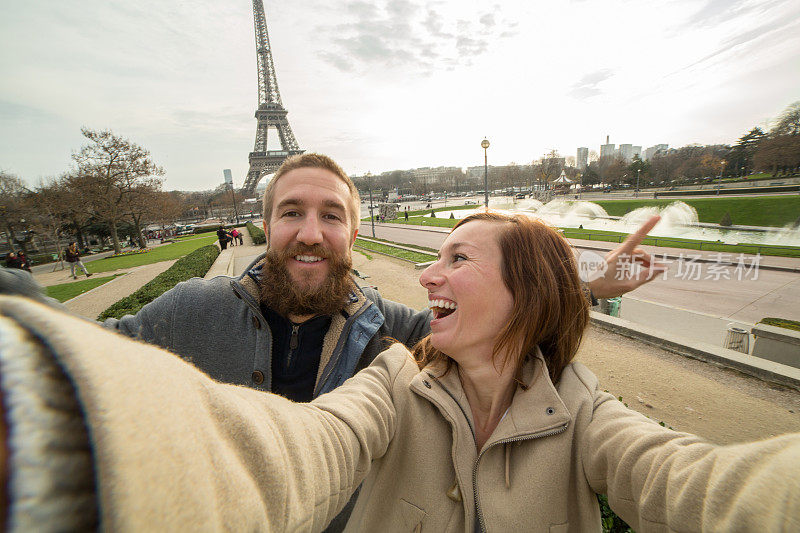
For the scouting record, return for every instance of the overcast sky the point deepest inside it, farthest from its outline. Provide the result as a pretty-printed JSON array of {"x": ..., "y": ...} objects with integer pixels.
[{"x": 383, "y": 85}]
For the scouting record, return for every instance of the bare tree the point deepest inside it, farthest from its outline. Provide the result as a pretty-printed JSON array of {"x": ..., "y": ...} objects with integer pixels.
[
  {"x": 110, "y": 171},
  {"x": 14, "y": 207}
]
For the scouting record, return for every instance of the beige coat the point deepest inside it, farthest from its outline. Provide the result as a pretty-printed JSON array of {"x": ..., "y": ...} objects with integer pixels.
[{"x": 174, "y": 450}]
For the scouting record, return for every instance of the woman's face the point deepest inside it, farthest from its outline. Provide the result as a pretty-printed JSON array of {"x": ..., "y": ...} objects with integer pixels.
[{"x": 466, "y": 292}]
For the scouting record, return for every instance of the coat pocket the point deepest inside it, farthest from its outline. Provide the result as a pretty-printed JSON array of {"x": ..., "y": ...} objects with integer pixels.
[
  {"x": 559, "y": 528},
  {"x": 411, "y": 515}
]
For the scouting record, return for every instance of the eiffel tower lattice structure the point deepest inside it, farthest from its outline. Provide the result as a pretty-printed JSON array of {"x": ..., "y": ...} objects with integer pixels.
[{"x": 270, "y": 113}]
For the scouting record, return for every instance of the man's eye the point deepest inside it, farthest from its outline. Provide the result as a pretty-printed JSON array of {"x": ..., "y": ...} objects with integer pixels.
[
  {"x": 459, "y": 257},
  {"x": 290, "y": 214},
  {"x": 332, "y": 216}
]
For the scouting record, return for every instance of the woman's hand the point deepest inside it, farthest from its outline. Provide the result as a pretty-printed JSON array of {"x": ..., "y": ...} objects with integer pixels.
[{"x": 620, "y": 278}]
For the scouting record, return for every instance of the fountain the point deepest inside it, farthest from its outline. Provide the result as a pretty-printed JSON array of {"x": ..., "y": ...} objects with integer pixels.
[{"x": 678, "y": 219}]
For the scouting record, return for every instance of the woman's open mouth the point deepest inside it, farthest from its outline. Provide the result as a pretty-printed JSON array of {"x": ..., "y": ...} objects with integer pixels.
[{"x": 442, "y": 308}]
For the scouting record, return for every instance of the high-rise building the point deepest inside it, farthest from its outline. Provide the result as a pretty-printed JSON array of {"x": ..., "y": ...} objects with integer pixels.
[
  {"x": 607, "y": 150},
  {"x": 653, "y": 150},
  {"x": 228, "y": 177},
  {"x": 637, "y": 150},
  {"x": 582, "y": 159},
  {"x": 626, "y": 152}
]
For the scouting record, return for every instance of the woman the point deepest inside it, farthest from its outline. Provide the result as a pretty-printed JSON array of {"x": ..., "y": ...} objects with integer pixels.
[{"x": 489, "y": 427}]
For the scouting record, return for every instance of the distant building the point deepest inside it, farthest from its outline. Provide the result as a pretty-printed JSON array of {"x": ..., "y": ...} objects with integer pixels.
[
  {"x": 607, "y": 150},
  {"x": 582, "y": 159},
  {"x": 228, "y": 177},
  {"x": 637, "y": 150},
  {"x": 653, "y": 150},
  {"x": 626, "y": 152}
]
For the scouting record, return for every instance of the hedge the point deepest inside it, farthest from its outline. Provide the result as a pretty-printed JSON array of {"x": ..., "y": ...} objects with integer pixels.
[
  {"x": 195, "y": 264},
  {"x": 256, "y": 233}
]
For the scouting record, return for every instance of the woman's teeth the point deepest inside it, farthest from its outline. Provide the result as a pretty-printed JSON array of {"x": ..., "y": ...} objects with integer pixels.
[{"x": 444, "y": 304}]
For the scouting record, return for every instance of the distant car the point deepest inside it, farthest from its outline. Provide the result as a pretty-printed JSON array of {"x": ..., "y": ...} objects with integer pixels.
[
  {"x": 470, "y": 202},
  {"x": 520, "y": 195}
]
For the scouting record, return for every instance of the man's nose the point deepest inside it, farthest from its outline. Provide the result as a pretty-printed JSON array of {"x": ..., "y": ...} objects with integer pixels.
[{"x": 310, "y": 231}]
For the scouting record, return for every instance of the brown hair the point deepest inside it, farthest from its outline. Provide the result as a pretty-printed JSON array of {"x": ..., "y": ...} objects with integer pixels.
[
  {"x": 312, "y": 160},
  {"x": 550, "y": 308}
]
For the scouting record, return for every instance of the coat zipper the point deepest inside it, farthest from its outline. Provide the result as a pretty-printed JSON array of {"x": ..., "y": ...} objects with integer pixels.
[
  {"x": 546, "y": 433},
  {"x": 293, "y": 343}
]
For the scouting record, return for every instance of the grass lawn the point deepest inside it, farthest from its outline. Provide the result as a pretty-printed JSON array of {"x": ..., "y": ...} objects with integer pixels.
[
  {"x": 775, "y": 211},
  {"x": 66, "y": 291},
  {"x": 155, "y": 255},
  {"x": 189, "y": 236},
  {"x": 395, "y": 252},
  {"x": 691, "y": 244}
]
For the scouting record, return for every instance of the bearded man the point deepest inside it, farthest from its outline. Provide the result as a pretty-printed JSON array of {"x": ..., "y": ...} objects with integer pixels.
[{"x": 294, "y": 323}]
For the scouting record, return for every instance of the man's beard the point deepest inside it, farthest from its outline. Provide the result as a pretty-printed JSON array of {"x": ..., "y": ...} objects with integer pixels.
[{"x": 289, "y": 297}]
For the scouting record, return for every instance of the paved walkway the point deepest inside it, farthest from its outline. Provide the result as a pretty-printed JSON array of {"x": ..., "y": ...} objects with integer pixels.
[{"x": 92, "y": 303}]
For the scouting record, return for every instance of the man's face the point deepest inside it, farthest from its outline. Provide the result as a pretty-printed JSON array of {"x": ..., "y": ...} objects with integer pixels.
[{"x": 310, "y": 216}]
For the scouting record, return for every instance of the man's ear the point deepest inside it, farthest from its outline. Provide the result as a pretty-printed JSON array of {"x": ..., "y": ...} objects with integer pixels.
[
  {"x": 266, "y": 229},
  {"x": 353, "y": 241}
]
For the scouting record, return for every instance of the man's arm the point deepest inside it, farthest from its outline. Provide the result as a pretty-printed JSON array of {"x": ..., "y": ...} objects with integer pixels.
[
  {"x": 172, "y": 448},
  {"x": 610, "y": 284}
]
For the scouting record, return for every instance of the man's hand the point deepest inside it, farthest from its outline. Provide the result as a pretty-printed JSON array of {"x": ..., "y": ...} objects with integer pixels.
[{"x": 644, "y": 267}]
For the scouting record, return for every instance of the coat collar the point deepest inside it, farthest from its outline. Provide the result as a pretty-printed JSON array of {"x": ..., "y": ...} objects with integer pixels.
[{"x": 534, "y": 411}]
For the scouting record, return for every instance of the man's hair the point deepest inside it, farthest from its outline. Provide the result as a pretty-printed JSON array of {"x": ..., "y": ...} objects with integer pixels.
[
  {"x": 550, "y": 308},
  {"x": 312, "y": 160}
]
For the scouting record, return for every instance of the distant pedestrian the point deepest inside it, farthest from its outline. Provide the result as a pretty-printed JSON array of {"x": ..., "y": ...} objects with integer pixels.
[
  {"x": 237, "y": 236},
  {"x": 405, "y": 213},
  {"x": 25, "y": 264},
  {"x": 224, "y": 237},
  {"x": 12, "y": 261},
  {"x": 73, "y": 257}
]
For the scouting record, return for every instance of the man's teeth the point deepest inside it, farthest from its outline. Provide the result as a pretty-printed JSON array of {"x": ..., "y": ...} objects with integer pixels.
[
  {"x": 443, "y": 304},
  {"x": 308, "y": 258}
]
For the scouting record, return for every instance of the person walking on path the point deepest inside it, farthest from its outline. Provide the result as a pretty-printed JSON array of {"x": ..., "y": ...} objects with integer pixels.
[
  {"x": 73, "y": 257},
  {"x": 237, "y": 237},
  {"x": 405, "y": 213},
  {"x": 224, "y": 237}
]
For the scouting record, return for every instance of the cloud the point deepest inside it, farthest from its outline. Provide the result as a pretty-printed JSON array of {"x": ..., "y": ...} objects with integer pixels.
[
  {"x": 587, "y": 86},
  {"x": 417, "y": 37}
]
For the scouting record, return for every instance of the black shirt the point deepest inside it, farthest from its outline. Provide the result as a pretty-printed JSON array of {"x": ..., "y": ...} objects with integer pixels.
[{"x": 296, "y": 351}]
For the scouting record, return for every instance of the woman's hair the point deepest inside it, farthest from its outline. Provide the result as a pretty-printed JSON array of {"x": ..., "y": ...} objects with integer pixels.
[{"x": 550, "y": 307}]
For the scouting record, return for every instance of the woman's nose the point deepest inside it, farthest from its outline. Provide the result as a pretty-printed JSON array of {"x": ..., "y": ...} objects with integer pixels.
[{"x": 430, "y": 276}]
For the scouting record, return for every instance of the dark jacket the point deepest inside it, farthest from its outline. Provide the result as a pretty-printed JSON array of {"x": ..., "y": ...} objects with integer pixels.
[{"x": 187, "y": 320}]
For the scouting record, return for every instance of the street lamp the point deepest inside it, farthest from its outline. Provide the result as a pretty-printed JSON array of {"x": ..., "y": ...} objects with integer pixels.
[
  {"x": 233, "y": 198},
  {"x": 721, "y": 168},
  {"x": 636, "y": 192},
  {"x": 485, "y": 146},
  {"x": 371, "y": 207}
]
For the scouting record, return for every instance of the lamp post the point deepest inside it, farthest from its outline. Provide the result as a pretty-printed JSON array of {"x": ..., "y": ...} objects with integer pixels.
[
  {"x": 235, "y": 210},
  {"x": 371, "y": 207},
  {"x": 485, "y": 146},
  {"x": 580, "y": 186},
  {"x": 636, "y": 192},
  {"x": 721, "y": 168}
]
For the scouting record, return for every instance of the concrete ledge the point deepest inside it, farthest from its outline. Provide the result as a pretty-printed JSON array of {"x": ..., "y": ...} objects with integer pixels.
[
  {"x": 223, "y": 265},
  {"x": 789, "y": 336},
  {"x": 754, "y": 366}
]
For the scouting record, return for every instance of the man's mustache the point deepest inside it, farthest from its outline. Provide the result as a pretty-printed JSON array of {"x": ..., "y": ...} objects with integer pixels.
[{"x": 305, "y": 249}]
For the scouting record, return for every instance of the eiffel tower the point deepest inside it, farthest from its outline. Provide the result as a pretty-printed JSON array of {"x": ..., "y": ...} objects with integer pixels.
[{"x": 270, "y": 112}]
